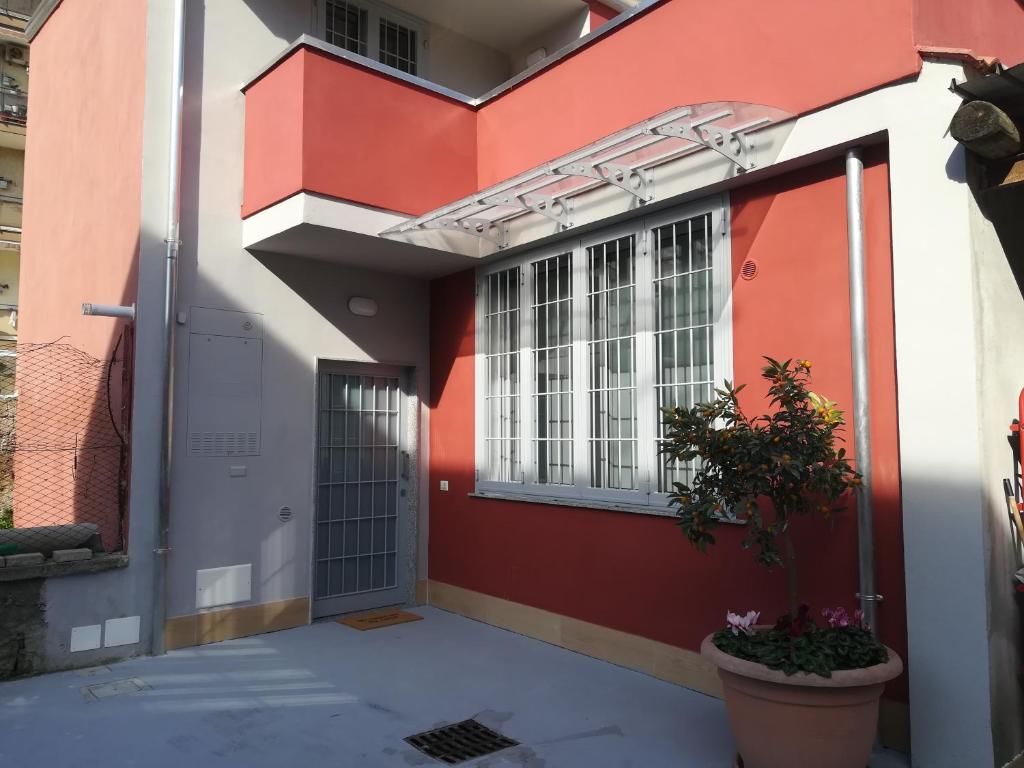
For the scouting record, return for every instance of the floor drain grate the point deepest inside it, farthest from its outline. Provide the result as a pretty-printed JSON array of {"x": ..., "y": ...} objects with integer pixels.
[{"x": 460, "y": 742}]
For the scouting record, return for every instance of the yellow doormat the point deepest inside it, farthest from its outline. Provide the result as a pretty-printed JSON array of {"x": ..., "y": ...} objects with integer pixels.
[{"x": 379, "y": 619}]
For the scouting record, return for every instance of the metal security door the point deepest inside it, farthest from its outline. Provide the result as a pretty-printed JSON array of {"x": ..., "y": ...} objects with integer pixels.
[{"x": 362, "y": 474}]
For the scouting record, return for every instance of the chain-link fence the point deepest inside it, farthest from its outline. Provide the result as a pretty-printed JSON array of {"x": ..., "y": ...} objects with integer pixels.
[{"x": 63, "y": 454}]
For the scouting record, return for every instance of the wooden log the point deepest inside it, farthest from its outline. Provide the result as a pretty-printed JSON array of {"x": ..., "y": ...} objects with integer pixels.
[{"x": 986, "y": 130}]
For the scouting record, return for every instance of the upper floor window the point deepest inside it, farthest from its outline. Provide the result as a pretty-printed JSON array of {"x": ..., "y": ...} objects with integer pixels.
[
  {"x": 380, "y": 33},
  {"x": 346, "y": 26},
  {"x": 581, "y": 346}
]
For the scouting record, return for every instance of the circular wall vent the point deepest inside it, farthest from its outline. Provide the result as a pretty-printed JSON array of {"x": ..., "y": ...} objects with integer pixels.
[
  {"x": 748, "y": 271},
  {"x": 285, "y": 513}
]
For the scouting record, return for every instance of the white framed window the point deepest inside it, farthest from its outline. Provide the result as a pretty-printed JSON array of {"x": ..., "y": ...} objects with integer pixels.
[
  {"x": 581, "y": 344},
  {"x": 346, "y": 25},
  {"x": 376, "y": 31},
  {"x": 501, "y": 327}
]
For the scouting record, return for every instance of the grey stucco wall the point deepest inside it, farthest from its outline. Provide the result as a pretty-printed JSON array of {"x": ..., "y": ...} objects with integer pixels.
[
  {"x": 95, "y": 598},
  {"x": 218, "y": 520},
  {"x": 998, "y": 251}
]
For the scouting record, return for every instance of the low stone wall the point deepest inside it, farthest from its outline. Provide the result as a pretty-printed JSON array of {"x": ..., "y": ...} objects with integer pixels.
[
  {"x": 26, "y": 646},
  {"x": 22, "y": 628}
]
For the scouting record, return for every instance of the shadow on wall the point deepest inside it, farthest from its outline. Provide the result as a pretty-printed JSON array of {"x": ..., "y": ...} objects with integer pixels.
[
  {"x": 576, "y": 561},
  {"x": 320, "y": 286},
  {"x": 1002, "y": 207},
  {"x": 70, "y": 429},
  {"x": 217, "y": 520},
  {"x": 1001, "y": 309}
]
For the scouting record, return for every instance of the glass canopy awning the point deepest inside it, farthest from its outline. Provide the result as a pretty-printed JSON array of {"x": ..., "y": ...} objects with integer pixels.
[{"x": 625, "y": 160}]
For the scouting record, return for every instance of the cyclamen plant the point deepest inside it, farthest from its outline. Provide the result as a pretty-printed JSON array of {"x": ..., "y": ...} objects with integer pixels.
[
  {"x": 764, "y": 470},
  {"x": 798, "y": 644},
  {"x": 744, "y": 624}
]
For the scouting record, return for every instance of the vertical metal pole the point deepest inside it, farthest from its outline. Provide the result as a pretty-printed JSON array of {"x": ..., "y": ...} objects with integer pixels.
[
  {"x": 167, "y": 361},
  {"x": 867, "y": 595}
]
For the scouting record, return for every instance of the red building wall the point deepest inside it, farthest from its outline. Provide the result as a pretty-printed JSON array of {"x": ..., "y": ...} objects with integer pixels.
[
  {"x": 983, "y": 28},
  {"x": 637, "y": 573},
  {"x": 798, "y": 55},
  {"x": 385, "y": 143},
  {"x": 83, "y": 187},
  {"x": 83, "y": 198},
  {"x": 396, "y": 146}
]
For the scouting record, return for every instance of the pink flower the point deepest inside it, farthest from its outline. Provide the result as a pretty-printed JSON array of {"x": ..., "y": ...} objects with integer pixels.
[
  {"x": 836, "y": 617},
  {"x": 744, "y": 624}
]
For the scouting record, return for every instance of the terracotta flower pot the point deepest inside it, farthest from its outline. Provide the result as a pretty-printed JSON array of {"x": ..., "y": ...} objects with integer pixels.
[{"x": 801, "y": 720}]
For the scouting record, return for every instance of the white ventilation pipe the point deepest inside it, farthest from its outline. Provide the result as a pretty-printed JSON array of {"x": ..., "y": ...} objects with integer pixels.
[
  {"x": 109, "y": 310},
  {"x": 868, "y": 594},
  {"x": 167, "y": 359}
]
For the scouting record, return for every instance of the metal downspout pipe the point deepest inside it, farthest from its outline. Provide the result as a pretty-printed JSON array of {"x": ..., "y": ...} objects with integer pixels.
[
  {"x": 167, "y": 359},
  {"x": 868, "y": 596}
]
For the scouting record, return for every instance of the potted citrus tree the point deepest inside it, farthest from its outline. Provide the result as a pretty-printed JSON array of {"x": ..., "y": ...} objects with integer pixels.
[{"x": 803, "y": 691}]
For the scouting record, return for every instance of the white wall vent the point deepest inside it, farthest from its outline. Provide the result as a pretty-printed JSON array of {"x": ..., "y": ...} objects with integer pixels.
[
  {"x": 223, "y": 586},
  {"x": 224, "y": 443}
]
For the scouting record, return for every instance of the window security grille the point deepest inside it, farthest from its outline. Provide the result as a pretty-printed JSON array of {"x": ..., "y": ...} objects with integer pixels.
[
  {"x": 552, "y": 364},
  {"x": 684, "y": 325},
  {"x": 501, "y": 317},
  {"x": 616, "y": 328},
  {"x": 611, "y": 299}
]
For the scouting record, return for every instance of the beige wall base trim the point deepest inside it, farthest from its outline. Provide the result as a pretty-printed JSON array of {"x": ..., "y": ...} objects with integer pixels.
[
  {"x": 666, "y": 662},
  {"x": 422, "y": 592},
  {"x": 229, "y": 623},
  {"x": 660, "y": 660}
]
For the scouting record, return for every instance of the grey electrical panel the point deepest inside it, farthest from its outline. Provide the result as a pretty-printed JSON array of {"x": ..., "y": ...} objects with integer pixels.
[{"x": 225, "y": 374}]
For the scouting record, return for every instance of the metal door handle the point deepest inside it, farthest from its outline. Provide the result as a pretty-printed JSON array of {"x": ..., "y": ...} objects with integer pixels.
[{"x": 405, "y": 465}]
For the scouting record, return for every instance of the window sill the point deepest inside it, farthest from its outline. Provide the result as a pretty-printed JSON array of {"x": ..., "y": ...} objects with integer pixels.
[
  {"x": 554, "y": 501},
  {"x": 608, "y": 506},
  {"x": 48, "y": 569}
]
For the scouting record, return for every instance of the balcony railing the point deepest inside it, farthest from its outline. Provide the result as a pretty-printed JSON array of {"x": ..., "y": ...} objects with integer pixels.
[
  {"x": 21, "y": 9},
  {"x": 13, "y": 105}
]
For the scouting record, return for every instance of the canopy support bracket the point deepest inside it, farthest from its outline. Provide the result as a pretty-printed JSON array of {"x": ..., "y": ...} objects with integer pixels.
[
  {"x": 494, "y": 232},
  {"x": 636, "y": 181},
  {"x": 730, "y": 144},
  {"x": 557, "y": 209}
]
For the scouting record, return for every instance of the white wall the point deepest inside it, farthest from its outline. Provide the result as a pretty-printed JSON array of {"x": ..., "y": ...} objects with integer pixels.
[
  {"x": 936, "y": 361},
  {"x": 464, "y": 65},
  {"x": 551, "y": 40}
]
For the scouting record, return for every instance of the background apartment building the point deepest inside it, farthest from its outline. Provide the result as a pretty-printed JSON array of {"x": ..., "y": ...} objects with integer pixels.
[{"x": 14, "y": 63}]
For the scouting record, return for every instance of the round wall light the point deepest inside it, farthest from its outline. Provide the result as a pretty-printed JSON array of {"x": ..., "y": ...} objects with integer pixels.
[{"x": 362, "y": 306}]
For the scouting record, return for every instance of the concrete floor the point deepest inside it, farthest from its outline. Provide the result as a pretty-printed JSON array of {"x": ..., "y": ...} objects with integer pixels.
[{"x": 328, "y": 695}]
